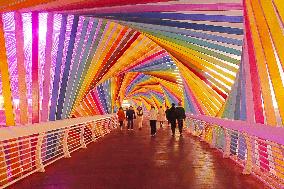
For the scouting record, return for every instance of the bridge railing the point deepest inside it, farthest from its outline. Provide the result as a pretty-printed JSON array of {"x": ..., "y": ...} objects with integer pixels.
[
  {"x": 28, "y": 149},
  {"x": 258, "y": 148}
]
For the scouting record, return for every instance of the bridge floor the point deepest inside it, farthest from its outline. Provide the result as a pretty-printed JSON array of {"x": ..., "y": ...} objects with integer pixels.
[{"x": 134, "y": 160}]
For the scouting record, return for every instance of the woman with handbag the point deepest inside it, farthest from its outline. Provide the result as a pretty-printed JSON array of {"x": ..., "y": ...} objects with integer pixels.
[{"x": 139, "y": 114}]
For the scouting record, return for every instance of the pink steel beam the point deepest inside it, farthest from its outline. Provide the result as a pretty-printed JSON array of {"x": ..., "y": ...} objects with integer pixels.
[
  {"x": 159, "y": 8},
  {"x": 21, "y": 68},
  {"x": 35, "y": 68},
  {"x": 47, "y": 68}
]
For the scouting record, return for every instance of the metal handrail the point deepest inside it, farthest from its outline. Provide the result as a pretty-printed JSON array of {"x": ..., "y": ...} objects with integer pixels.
[
  {"x": 267, "y": 132},
  {"x": 258, "y": 148},
  {"x": 27, "y": 149}
]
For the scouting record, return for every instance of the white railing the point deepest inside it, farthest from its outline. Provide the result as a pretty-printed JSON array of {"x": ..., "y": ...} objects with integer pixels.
[
  {"x": 258, "y": 148},
  {"x": 28, "y": 149}
]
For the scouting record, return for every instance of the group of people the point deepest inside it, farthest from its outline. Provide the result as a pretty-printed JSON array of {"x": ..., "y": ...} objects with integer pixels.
[
  {"x": 130, "y": 116},
  {"x": 174, "y": 116}
]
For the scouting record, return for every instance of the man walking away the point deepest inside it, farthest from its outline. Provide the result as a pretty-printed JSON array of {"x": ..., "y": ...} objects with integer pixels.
[
  {"x": 172, "y": 118},
  {"x": 126, "y": 110},
  {"x": 130, "y": 115},
  {"x": 167, "y": 115},
  {"x": 180, "y": 113}
]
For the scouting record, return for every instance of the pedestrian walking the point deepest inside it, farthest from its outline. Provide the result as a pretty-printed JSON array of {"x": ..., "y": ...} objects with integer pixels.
[
  {"x": 139, "y": 117},
  {"x": 167, "y": 115},
  {"x": 161, "y": 116},
  {"x": 172, "y": 118},
  {"x": 153, "y": 120},
  {"x": 126, "y": 110},
  {"x": 121, "y": 117},
  {"x": 130, "y": 115},
  {"x": 180, "y": 115}
]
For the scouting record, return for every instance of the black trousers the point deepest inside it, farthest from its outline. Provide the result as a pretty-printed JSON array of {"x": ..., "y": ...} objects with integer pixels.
[
  {"x": 130, "y": 124},
  {"x": 120, "y": 123},
  {"x": 180, "y": 125},
  {"x": 153, "y": 126},
  {"x": 173, "y": 125}
]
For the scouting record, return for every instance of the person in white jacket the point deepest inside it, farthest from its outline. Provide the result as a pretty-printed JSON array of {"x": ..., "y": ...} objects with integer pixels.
[
  {"x": 153, "y": 120},
  {"x": 161, "y": 116}
]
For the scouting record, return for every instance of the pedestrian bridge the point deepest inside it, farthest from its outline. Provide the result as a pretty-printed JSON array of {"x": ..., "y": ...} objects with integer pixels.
[
  {"x": 66, "y": 66},
  {"x": 93, "y": 153}
]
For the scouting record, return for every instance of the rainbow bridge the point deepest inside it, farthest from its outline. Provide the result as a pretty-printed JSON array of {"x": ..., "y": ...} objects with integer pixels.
[{"x": 66, "y": 66}]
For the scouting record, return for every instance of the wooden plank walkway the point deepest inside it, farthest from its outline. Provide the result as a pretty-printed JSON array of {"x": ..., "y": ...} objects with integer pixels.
[{"x": 135, "y": 160}]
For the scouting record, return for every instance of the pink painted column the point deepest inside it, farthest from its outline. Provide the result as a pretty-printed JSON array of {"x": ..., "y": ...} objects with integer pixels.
[
  {"x": 47, "y": 67},
  {"x": 21, "y": 68},
  {"x": 35, "y": 69}
]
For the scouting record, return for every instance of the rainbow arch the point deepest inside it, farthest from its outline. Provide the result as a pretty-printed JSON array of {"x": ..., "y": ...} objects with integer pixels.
[{"x": 63, "y": 59}]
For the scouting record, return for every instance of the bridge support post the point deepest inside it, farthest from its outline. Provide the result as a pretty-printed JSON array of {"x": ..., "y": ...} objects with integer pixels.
[
  {"x": 65, "y": 144},
  {"x": 115, "y": 122},
  {"x": 194, "y": 125},
  {"x": 101, "y": 125},
  {"x": 92, "y": 124},
  {"x": 196, "y": 128},
  {"x": 227, "y": 144},
  {"x": 188, "y": 122},
  {"x": 213, "y": 142},
  {"x": 38, "y": 158},
  {"x": 107, "y": 125},
  {"x": 203, "y": 131},
  {"x": 82, "y": 141},
  {"x": 248, "y": 164}
]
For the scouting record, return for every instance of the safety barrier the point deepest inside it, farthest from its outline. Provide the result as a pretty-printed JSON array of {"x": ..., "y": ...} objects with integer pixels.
[
  {"x": 257, "y": 148},
  {"x": 28, "y": 149}
]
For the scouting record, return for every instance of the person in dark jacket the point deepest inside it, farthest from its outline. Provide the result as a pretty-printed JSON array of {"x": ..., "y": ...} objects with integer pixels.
[
  {"x": 180, "y": 116},
  {"x": 167, "y": 114},
  {"x": 130, "y": 115},
  {"x": 172, "y": 118}
]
